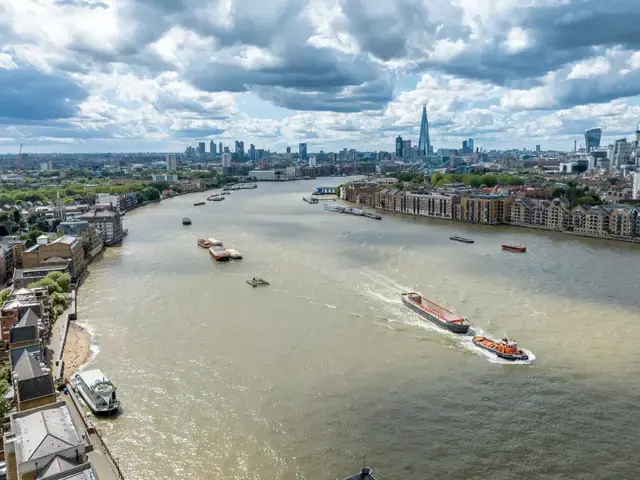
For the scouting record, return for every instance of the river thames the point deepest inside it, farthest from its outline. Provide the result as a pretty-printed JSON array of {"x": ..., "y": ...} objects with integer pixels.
[{"x": 300, "y": 379}]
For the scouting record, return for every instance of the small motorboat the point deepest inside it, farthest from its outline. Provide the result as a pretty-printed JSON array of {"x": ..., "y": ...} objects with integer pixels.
[
  {"x": 186, "y": 221},
  {"x": 365, "y": 474},
  {"x": 218, "y": 198},
  {"x": 214, "y": 242},
  {"x": 204, "y": 243},
  {"x": 312, "y": 200},
  {"x": 234, "y": 254},
  {"x": 505, "y": 348},
  {"x": 257, "y": 282},
  {"x": 219, "y": 253},
  {"x": 461, "y": 239},
  {"x": 225, "y": 193},
  {"x": 197, "y": 204},
  {"x": 515, "y": 248},
  {"x": 375, "y": 216}
]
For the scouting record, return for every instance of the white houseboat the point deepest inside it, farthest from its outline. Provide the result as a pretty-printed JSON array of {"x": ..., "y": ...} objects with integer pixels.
[{"x": 98, "y": 392}]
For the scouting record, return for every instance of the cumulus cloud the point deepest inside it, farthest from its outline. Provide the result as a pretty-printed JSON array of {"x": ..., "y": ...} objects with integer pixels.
[{"x": 165, "y": 70}]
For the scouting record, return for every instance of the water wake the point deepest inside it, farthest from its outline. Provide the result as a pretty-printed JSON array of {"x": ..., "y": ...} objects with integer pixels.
[{"x": 397, "y": 313}]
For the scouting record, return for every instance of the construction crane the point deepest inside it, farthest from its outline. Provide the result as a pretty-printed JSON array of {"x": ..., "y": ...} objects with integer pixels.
[{"x": 19, "y": 159}]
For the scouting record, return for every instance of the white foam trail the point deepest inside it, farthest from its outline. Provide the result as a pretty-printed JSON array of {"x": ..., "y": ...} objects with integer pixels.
[
  {"x": 329, "y": 306},
  {"x": 398, "y": 314}
]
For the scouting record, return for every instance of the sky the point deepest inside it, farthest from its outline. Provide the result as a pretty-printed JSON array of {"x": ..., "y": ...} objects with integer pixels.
[{"x": 158, "y": 75}]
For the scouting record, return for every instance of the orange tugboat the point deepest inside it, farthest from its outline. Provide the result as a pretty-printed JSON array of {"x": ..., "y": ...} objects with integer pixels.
[
  {"x": 203, "y": 243},
  {"x": 505, "y": 348},
  {"x": 515, "y": 248}
]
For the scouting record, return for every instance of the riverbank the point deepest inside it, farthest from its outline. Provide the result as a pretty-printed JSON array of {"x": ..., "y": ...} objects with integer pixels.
[
  {"x": 617, "y": 238},
  {"x": 77, "y": 349}
]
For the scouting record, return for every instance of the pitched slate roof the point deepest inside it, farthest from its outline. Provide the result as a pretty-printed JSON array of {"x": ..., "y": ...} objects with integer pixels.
[
  {"x": 28, "y": 319},
  {"x": 28, "y": 367},
  {"x": 57, "y": 465}
]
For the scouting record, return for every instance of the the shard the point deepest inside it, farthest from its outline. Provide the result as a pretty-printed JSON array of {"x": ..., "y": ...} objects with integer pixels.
[{"x": 424, "y": 145}]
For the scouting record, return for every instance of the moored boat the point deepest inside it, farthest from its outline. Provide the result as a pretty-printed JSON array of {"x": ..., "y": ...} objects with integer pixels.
[
  {"x": 203, "y": 243},
  {"x": 186, "y": 221},
  {"x": 375, "y": 216},
  {"x": 333, "y": 208},
  {"x": 312, "y": 200},
  {"x": 219, "y": 253},
  {"x": 505, "y": 348},
  {"x": 461, "y": 239},
  {"x": 353, "y": 211},
  {"x": 437, "y": 314},
  {"x": 234, "y": 254},
  {"x": 218, "y": 199},
  {"x": 97, "y": 391},
  {"x": 515, "y": 248},
  {"x": 197, "y": 204},
  {"x": 214, "y": 242}
]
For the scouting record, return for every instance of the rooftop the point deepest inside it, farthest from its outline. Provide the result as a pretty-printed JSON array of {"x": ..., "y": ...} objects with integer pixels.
[
  {"x": 28, "y": 367},
  {"x": 98, "y": 214},
  {"x": 46, "y": 431},
  {"x": 52, "y": 260},
  {"x": 72, "y": 472},
  {"x": 29, "y": 319},
  {"x": 66, "y": 239}
]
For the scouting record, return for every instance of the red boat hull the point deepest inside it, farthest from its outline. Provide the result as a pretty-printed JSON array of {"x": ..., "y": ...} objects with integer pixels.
[{"x": 514, "y": 248}]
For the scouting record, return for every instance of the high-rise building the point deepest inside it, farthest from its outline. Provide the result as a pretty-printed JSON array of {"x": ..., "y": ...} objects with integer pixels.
[
  {"x": 465, "y": 147},
  {"x": 220, "y": 148},
  {"x": 424, "y": 144},
  {"x": 201, "y": 148},
  {"x": 212, "y": 147},
  {"x": 172, "y": 161},
  {"x": 592, "y": 138},
  {"x": 470, "y": 145},
  {"x": 226, "y": 150},
  {"x": 312, "y": 161},
  {"x": 288, "y": 149},
  {"x": 406, "y": 145},
  {"x": 226, "y": 160},
  {"x": 240, "y": 149},
  {"x": 302, "y": 150},
  {"x": 252, "y": 152},
  {"x": 399, "y": 143},
  {"x": 636, "y": 186},
  {"x": 621, "y": 153}
]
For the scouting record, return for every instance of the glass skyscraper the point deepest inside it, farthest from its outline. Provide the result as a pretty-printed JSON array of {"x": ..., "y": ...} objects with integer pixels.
[
  {"x": 424, "y": 145},
  {"x": 592, "y": 138},
  {"x": 302, "y": 150}
]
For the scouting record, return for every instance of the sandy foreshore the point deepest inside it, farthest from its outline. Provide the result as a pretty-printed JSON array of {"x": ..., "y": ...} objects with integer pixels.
[{"x": 77, "y": 349}]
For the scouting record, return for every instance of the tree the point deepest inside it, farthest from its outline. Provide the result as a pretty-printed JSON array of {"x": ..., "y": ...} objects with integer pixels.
[
  {"x": 4, "y": 230},
  {"x": 59, "y": 299},
  {"x": 149, "y": 194},
  {"x": 4, "y": 295},
  {"x": 51, "y": 285},
  {"x": 5, "y": 405},
  {"x": 436, "y": 178},
  {"x": 16, "y": 216},
  {"x": 62, "y": 279},
  {"x": 32, "y": 237}
]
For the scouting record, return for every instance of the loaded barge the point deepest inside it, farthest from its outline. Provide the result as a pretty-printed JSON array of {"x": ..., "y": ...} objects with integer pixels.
[
  {"x": 461, "y": 239},
  {"x": 436, "y": 314}
]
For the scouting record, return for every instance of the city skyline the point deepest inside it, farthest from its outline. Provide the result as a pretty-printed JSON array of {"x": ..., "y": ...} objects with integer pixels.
[{"x": 87, "y": 76}]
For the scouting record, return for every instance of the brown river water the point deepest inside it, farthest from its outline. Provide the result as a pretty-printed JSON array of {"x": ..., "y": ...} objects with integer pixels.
[{"x": 300, "y": 379}]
